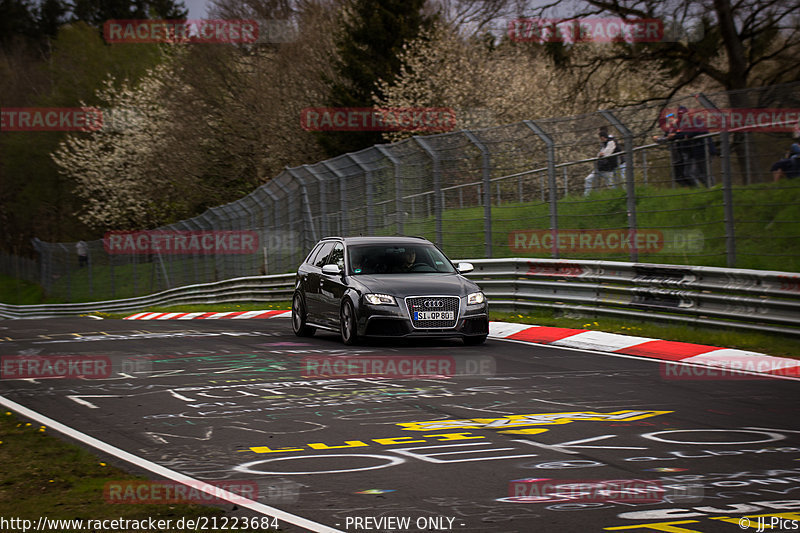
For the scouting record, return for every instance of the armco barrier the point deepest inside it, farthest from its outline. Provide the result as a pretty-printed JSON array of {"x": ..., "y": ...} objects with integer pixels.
[
  {"x": 238, "y": 290},
  {"x": 742, "y": 299}
]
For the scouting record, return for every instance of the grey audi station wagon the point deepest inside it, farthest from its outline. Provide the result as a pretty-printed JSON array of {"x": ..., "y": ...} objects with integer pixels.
[{"x": 386, "y": 287}]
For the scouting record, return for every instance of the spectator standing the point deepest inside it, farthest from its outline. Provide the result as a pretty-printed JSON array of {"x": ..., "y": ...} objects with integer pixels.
[
  {"x": 698, "y": 147},
  {"x": 606, "y": 163},
  {"x": 789, "y": 166},
  {"x": 680, "y": 148},
  {"x": 83, "y": 253}
]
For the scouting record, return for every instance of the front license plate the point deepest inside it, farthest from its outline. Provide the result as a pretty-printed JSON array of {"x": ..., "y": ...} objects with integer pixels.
[{"x": 434, "y": 315}]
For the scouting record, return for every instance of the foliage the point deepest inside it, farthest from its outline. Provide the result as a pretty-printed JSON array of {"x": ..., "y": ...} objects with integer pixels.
[
  {"x": 489, "y": 85},
  {"x": 733, "y": 45},
  {"x": 368, "y": 50}
]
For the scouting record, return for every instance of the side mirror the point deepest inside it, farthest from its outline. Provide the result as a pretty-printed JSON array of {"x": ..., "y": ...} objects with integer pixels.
[
  {"x": 465, "y": 268},
  {"x": 331, "y": 270}
]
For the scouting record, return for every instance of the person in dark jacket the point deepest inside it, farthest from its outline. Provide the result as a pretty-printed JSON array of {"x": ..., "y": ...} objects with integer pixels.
[
  {"x": 606, "y": 163},
  {"x": 789, "y": 166},
  {"x": 680, "y": 148}
]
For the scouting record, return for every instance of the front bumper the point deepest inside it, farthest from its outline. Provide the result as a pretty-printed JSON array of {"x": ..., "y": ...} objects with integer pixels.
[{"x": 395, "y": 321}]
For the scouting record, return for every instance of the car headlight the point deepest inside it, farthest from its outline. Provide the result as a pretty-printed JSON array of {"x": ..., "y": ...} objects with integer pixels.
[
  {"x": 475, "y": 298},
  {"x": 380, "y": 299}
]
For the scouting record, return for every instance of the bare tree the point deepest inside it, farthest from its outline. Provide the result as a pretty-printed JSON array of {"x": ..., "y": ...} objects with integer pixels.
[{"x": 736, "y": 45}]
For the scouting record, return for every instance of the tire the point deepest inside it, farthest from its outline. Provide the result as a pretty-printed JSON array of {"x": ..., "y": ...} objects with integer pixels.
[
  {"x": 299, "y": 326},
  {"x": 475, "y": 340},
  {"x": 348, "y": 325}
]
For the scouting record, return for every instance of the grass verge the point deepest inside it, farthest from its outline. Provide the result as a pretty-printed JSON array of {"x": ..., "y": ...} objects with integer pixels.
[
  {"x": 16, "y": 291},
  {"x": 44, "y": 476}
]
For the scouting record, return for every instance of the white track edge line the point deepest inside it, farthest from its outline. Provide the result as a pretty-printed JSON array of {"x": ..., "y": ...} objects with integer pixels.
[{"x": 161, "y": 470}]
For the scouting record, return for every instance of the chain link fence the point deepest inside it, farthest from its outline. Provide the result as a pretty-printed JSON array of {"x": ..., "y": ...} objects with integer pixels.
[{"x": 518, "y": 190}]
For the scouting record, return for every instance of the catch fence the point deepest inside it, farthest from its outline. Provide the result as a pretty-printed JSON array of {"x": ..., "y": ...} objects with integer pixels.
[{"x": 511, "y": 191}]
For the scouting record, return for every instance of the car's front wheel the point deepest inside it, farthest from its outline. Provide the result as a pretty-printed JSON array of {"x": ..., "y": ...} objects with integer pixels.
[
  {"x": 348, "y": 325},
  {"x": 299, "y": 325}
]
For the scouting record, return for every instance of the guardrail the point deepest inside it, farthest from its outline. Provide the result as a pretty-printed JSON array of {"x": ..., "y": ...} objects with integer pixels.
[
  {"x": 271, "y": 288},
  {"x": 736, "y": 298}
]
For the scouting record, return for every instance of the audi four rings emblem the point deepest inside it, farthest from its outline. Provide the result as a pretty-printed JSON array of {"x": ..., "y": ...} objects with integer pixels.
[{"x": 432, "y": 303}]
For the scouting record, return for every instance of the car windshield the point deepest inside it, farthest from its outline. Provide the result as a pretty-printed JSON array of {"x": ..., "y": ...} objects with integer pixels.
[{"x": 390, "y": 259}]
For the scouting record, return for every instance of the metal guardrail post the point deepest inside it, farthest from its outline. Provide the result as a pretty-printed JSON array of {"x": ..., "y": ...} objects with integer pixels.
[
  {"x": 486, "y": 168},
  {"x": 343, "y": 218},
  {"x": 727, "y": 183},
  {"x": 398, "y": 186},
  {"x": 69, "y": 275},
  {"x": 437, "y": 187},
  {"x": 369, "y": 191},
  {"x": 551, "y": 178},
  {"x": 306, "y": 208},
  {"x": 630, "y": 186}
]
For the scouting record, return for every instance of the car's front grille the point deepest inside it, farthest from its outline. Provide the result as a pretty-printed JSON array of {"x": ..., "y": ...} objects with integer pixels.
[{"x": 433, "y": 306}]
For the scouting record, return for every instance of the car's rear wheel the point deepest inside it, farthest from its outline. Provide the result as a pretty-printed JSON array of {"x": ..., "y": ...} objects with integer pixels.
[
  {"x": 475, "y": 340},
  {"x": 348, "y": 325},
  {"x": 299, "y": 325}
]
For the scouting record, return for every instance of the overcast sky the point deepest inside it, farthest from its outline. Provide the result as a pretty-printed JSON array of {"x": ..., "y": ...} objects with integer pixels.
[{"x": 197, "y": 8}]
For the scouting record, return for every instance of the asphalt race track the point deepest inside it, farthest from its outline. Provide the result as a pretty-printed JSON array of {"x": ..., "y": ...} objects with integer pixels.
[{"x": 419, "y": 436}]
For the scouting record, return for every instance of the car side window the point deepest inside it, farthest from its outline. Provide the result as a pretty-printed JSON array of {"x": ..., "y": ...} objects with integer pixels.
[
  {"x": 312, "y": 254},
  {"x": 337, "y": 256},
  {"x": 322, "y": 255}
]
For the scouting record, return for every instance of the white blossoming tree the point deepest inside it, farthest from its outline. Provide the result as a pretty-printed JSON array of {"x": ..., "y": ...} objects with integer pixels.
[{"x": 115, "y": 169}]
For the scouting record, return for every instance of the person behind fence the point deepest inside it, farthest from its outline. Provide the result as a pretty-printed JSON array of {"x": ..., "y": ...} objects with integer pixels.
[
  {"x": 606, "y": 163},
  {"x": 83, "y": 253},
  {"x": 680, "y": 153},
  {"x": 698, "y": 146},
  {"x": 789, "y": 166}
]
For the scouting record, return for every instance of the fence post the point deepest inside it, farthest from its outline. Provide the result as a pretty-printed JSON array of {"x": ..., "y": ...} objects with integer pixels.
[
  {"x": 309, "y": 219},
  {"x": 287, "y": 203},
  {"x": 551, "y": 178},
  {"x": 370, "y": 193},
  {"x": 747, "y": 170},
  {"x": 630, "y": 186},
  {"x": 727, "y": 185},
  {"x": 275, "y": 215},
  {"x": 323, "y": 201},
  {"x": 644, "y": 166},
  {"x": 486, "y": 168},
  {"x": 398, "y": 186},
  {"x": 344, "y": 225},
  {"x": 437, "y": 187}
]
